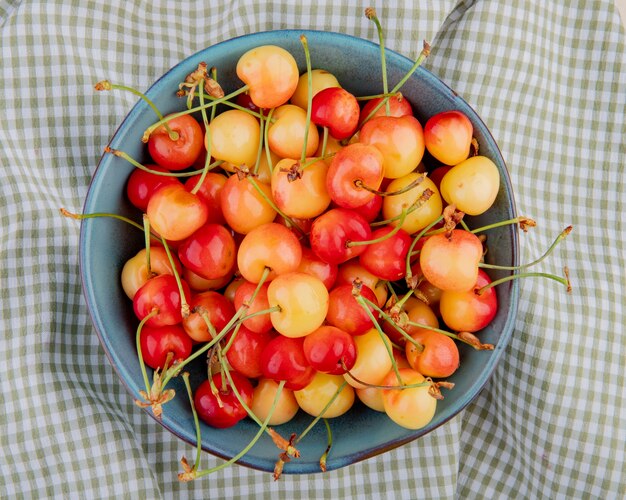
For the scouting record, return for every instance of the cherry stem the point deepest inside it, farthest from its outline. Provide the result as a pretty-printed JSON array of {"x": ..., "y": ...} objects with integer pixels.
[
  {"x": 524, "y": 223},
  {"x": 370, "y": 13},
  {"x": 403, "y": 300},
  {"x": 147, "y": 236},
  {"x": 321, "y": 414},
  {"x": 423, "y": 55},
  {"x": 377, "y": 96},
  {"x": 449, "y": 334},
  {"x": 207, "y": 135},
  {"x": 408, "y": 187},
  {"x": 329, "y": 434},
  {"x": 379, "y": 386},
  {"x": 184, "y": 305},
  {"x": 408, "y": 271},
  {"x": 307, "y": 56},
  {"x": 558, "y": 240},
  {"x": 142, "y": 364},
  {"x": 384, "y": 237},
  {"x": 196, "y": 423},
  {"x": 266, "y": 143},
  {"x": 425, "y": 196},
  {"x": 107, "y": 85},
  {"x": 271, "y": 203},
  {"x": 259, "y": 152},
  {"x": 135, "y": 163},
  {"x": 324, "y": 141},
  {"x": 95, "y": 215},
  {"x": 210, "y": 104},
  {"x": 563, "y": 280}
]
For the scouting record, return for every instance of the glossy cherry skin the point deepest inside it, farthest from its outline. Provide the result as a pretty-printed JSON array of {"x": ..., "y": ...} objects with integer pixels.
[
  {"x": 210, "y": 192},
  {"x": 210, "y": 252},
  {"x": 346, "y": 313},
  {"x": 243, "y": 207},
  {"x": 181, "y": 153},
  {"x": 227, "y": 410},
  {"x": 260, "y": 323},
  {"x": 398, "y": 106},
  {"x": 448, "y": 136},
  {"x": 218, "y": 309},
  {"x": 337, "y": 109},
  {"x": 283, "y": 359},
  {"x": 313, "y": 265},
  {"x": 141, "y": 185},
  {"x": 469, "y": 311},
  {"x": 387, "y": 259},
  {"x": 135, "y": 271},
  {"x": 330, "y": 350},
  {"x": 333, "y": 230},
  {"x": 157, "y": 342},
  {"x": 412, "y": 408},
  {"x": 439, "y": 357},
  {"x": 161, "y": 294},
  {"x": 450, "y": 262},
  {"x": 244, "y": 353},
  {"x": 354, "y": 166}
]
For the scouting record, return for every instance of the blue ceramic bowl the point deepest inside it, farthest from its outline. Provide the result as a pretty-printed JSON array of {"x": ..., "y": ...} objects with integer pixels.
[{"x": 105, "y": 245}]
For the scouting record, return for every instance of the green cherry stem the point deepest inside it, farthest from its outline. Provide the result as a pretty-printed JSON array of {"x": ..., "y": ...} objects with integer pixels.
[
  {"x": 190, "y": 473},
  {"x": 370, "y": 13},
  {"x": 384, "y": 237},
  {"x": 207, "y": 135},
  {"x": 142, "y": 364},
  {"x": 307, "y": 55},
  {"x": 560, "y": 279},
  {"x": 329, "y": 434},
  {"x": 147, "y": 237},
  {"x": 408, "y": 187},
  {"x": 408, "y": 271},
  {"x": 107, "y": 85},
  {"x": 425, "y": 196},
  {"x": 466, "y": 338},
  {"x": 266, "y": 143},
  {"x": 184, "y": 305},
  {"x": 321, "y": 414},
  {"x": 259, "y": 151},
  {"x": 96, "y": 215}
]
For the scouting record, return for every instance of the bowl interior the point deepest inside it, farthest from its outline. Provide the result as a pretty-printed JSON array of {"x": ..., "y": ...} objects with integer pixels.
[{"x": 105, "y": 245}]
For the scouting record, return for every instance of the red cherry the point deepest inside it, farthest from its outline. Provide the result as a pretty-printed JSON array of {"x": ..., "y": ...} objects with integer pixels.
[
  {"x": 209, "y": 252},
  {"x": 346, "y": 313},
  {"x": 283, "y": 359},
  {"x": 157, "y": 342},
  {"x": 223, "y": 409},
  {"x": 141, "y": 185},
  {"x": 219, "y": 311},
  {"x": 387, "y": 259},
  {"x": 332, "y": 232},
  {"x": 398, "y": 106},
  {"x": 181, "y": 153},
  {"x": 330, "y": 350},
  {"x": 160, "y": 294},
  {"x": 210, "y": 192},
  {"x": 337, "y": 109},
  {"x": 244, "y": 354}
]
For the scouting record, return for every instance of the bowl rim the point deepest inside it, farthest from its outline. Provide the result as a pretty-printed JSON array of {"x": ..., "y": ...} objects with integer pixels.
[{"x": 462, "y": 401}]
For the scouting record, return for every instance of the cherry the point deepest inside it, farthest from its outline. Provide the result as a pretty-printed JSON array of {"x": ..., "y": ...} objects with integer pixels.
[
  {"x": 180, "y": 153},
  {"x": 326, "y": 395},
  {"x": 313, "y": 265},
  {"x": 373, "y": 359},
  {"x": 209, "y": 191},
  {"x": 158, "y": 342},
  {"x": 209, "y": 252},
  {"x": 264, "y": 396},
  {"x": 244, "y": 353},
  {"x": 135, "y": 271},
  {"x": 208, "y": 306},
  {"x": 288, "y": 131},
  {"x": 334, "y": 230},
  {"x": 387, "y": 258},
  {"x": 258, "y": 323},
  {"x": 346, "y": 313},
  {"x": 142, "y": 184},
  {"x": 398, "y": 106},
  {"x": 222, "y": 409},
  {"x": 330, "y": 350},
  {"x": 448, "y": 136},
  {"x": 337, "y": 109},
  {"x": 353, "y": 169},
  {"x": 352, "y": 269},
  {"x": 245, "y": 205},
  {"x": 175, "y": 213},
  {"x": 438, "y": 356},
  {"x": 160, "y": 297},
  {"x": 283, "y": 359},
  {"x": 409, "y": 407},
  {"x": 235, "y": 136},
  {"x": 450, "y": 260},
  {"x": 469, "y": 311},
  {"x": 320, "y": 79}
]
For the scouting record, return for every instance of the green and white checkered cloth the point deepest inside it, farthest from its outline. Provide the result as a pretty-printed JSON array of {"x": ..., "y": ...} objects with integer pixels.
[{"x": 548, "y": 78}]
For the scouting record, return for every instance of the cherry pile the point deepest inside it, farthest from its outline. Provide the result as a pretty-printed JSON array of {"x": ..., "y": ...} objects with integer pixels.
[{"x": 297, "y": 243}]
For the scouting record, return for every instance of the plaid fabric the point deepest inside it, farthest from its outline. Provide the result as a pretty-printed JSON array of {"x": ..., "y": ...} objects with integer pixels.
[{"x": 549, "y": 79}]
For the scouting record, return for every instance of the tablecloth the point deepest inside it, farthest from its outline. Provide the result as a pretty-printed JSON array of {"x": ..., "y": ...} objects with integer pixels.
[{"x": 548, "y": 78}]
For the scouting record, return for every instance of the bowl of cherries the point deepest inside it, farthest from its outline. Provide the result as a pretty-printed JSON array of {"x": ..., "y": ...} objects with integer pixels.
[{"x": 298, "y": 251}]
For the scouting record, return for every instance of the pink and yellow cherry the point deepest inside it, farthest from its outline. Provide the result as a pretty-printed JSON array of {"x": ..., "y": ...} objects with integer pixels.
[
  {"x": 399, "y": 139},
  {"x": 439, "y": 356},
  {"x": 472, "y": 185},
  {"x": 320, "y": 79},
  {"x": 199, "y": 284},
  {"x": 158, "y": 342},
  {"x": 175, "y": 213},
  {"x": 450, "y": 261},
  {"x": 345, "y": 313},
  {"x": 160, "y": 298},
  {"x": 398, "y": 106},
  {"x": 135, "y": 271},
  {"x": 180, "y": 153},
  {"x": 263, "y": 400},
  {"x": 235, "y": 137},
  {"x": 141, "y": 185},
  {"x": 448, "y": 136},
  {"x": 353, "y": 167},
  {"x": 469, "y": 311},
  {"x": 409, "y": 407},
  {"x": 303, "y": 196},
  {"x": 313, "y": 265},
  {"x": 209, "y": 252},
  {"x": 323, "y": 388},
  {"x": 334, "y": 230},
  {"x": 244, "y": 353},
  {"x": 336, "y": 109},
  {"x": 302, "y": 302},
  {"x": 211, "y": 306},
  {"x": 259, "y": 323},
  {"x": 387, "y": 258},
  {"x": 330, "y": 350},
  {"x": 210, "y": 192},
  {"x": 416, "y": 312},
  {"x": 283, "y": 359},
  {"x": 352, "y": 269},
  {"x": 373, "y": 361},
  {"x": 331, "y": 147},
  {"x": 270, "y": 246},
  {"x": 271, "y": 74},
  {"x": 372, "y": 397},
  {"x": 418, "y": 218},
  {"x": 287, "y": 131},
  {"x": 223, "y": 409},
  {"x": 243, "y": 206}
]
